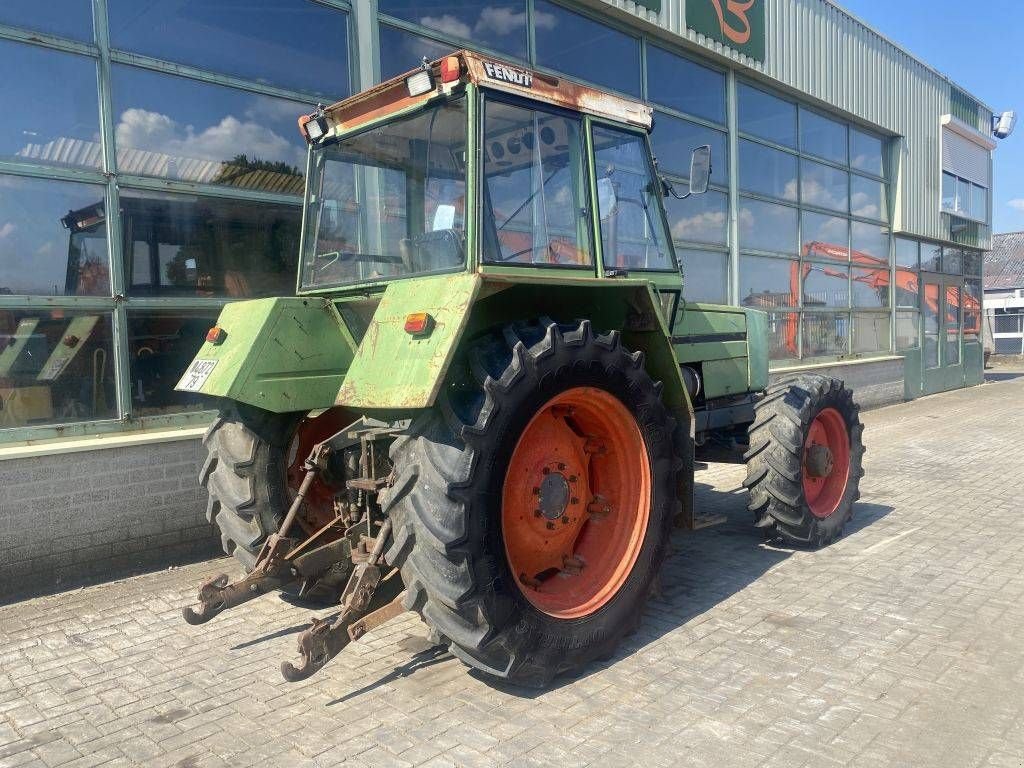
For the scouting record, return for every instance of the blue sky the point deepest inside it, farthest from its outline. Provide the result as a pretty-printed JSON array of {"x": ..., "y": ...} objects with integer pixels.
[{"x": 980, "y": 45}]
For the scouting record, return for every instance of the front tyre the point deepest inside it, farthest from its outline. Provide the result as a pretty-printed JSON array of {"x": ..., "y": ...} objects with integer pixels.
[
  {"x": 804, "y": 464},
  {"x": 532, "y": 508}
]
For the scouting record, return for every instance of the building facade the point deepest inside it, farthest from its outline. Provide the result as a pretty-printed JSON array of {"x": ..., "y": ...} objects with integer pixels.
[{"x": 151, "y": 171}]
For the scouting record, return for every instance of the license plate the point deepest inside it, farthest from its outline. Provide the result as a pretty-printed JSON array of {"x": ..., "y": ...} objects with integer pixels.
[{"x": 196, "y": 375}]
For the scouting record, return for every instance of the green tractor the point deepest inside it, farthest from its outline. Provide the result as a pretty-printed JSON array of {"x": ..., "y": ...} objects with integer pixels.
[{"x": 484, "y": 402}]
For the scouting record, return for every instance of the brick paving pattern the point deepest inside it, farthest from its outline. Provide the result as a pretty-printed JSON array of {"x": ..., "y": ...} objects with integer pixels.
[{"x": 900, "y": 645}]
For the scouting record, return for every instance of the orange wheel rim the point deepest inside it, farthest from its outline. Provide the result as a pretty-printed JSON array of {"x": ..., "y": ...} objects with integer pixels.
[
  {"x": 576, "y": 502},
  {"x": 826, "y": 463}
]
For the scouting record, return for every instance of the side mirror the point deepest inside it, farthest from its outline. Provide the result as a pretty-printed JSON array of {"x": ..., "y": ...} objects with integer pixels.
[{"x": 700, "y": 170}]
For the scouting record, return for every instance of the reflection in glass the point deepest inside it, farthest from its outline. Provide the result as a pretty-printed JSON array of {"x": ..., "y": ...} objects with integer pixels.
[
  {"x": 190, "y": 245},
  {"x": 632, "y": 231},
  {"x": 870, "y": 244},
  {"x": 824, "y": 186},
  {"x": 867, "y": 198},
  {"x": 953, "y": 346},
  {"x": 822, "y": 137},
  {"x": 684, "y": 85},
  {"x": 963, "y": 197},
  {"x": 181, "y": 129},
  {"x": 401, "y": 51},
  {"x": 931, "y": 257},
  {"x": 581, "y": 47},
  {"x": 161, "y": 344},
  {"x": 767, "y": 283},
  {"x": 764, "y": 115},
  {"x": 824, "y": 236},
  {"x": 952, "y": 261},
  {"x": 866, "y": 152},
  {"x": 705, "y": 275},
  {"x": 674, "y": 139},
  {"x": 972, "y": 262},
  {"x": 783, "y": 335},
  {"x": 907, "y": 254},
  {"x": 699, "y": 218},
  {"x": 979, "y": 202},
  {"x": 390, "y": 201},
  {"x": 906, "y": 289},
  {"x": 870, "y": 287},
  {"x": 767, "y": 226},
  {"x": 67, "y": 18},
  {"x": 826, "y": 285},
  {"x": 825, "y": 334},
  {"x": 56, "y": 367},
  {"x": 870, "y": 332},
  {"x": 289, "y": 43},
  {"x": 53, "y": 238},
  {"x": 907, "y": 330},
  {"x": 497, "y": 24},
  {"x": 37, "y": 130},
  {"x": 972, "y": 304},
  {"x": 930, "y": 316},
  {"x": 948, "y": 192},
  {"x": 767, "y": 171}
]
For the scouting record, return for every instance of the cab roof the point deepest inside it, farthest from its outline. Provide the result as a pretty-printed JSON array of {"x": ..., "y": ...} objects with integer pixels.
[{"x": 392, "y": 96}]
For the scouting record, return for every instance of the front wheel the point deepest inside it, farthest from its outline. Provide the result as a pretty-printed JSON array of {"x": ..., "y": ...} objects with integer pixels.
[
  {"x": 804, "y": 464},
  {"x": 532, "y": 508}
]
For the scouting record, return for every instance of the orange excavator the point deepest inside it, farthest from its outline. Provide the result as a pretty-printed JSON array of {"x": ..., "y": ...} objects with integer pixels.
[{"x": 872, "y": 272}]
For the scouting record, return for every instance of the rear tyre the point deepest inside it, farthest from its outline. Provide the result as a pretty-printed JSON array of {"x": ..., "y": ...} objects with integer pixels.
[
  {"x": 804, "y": 464},
  {"x": 501, "y": 546}
]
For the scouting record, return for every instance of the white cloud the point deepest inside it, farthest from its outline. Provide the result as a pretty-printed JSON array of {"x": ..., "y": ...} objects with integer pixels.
[
  {"x": 6, "y": 229},
  {"x": 542, "y": 20},
  {"x": 448, "y": 24},
  {"x": 707, "y": 225},
  {"x": 499, "y": 21},
  {"x": 156, "y": 132},
  {"x": 1017, "y": 203}
]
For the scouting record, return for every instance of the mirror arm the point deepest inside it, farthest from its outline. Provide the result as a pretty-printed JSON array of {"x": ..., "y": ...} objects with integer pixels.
[{"x": 669, "y": 189}]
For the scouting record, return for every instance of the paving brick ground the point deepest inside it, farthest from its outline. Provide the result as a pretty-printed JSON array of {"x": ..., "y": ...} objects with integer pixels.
[{"x": 901, "y": 645}]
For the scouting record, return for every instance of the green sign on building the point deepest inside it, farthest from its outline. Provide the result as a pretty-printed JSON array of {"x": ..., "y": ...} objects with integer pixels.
[{"x": 738, "y": 24}]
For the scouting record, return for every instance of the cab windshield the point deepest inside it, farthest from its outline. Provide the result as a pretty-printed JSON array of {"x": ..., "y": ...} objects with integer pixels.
[{"x": 389, "y": 202}]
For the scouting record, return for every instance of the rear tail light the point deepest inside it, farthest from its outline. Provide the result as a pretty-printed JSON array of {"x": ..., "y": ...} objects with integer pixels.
[
  {"x": 419, "y": 323},
  {"x": 216, "y": 335},
  {"x": 451, "y": 69}
]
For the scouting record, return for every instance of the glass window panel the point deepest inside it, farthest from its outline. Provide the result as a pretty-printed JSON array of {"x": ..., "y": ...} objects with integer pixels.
[
  {"x": 56, "y": 121},
  {"x": 907, "y": 330},
  {"x": 931, "y": 257},
  {"x": 870, "y": 332},
  {"x": 767, "y": 283},
  {"x": 497, "y": 24},
  {"x": 632, "y": 231},
  {"x": 584, "y": 48},
  {"x": 907, "y": 252},
  {"x": 674, "y": 139},
  {"x": 824, "y": 186},
  {"x": 953, "y": 346},
  {"x": 906, "y": 289},
  {"x": 161, "y": 344},
  {"x": 764, "y": 115},
  {"x": 534, "y": 197},
  {"x": 705, "y": 275},
  {"x": 700, "y": 218},
  {"x": 870, "y": 244},
  {"x": 825, "y": 334},
  {"x": 979, "y": 202},
  {"x": 963, "y": 197},
  {"x": 867, "y": 198},
  {"x": 952, "y": 261},
  {"x": 181, "y": 129},
  {"x": 948, "y": 192},
  {"x": 825, "y": 237},
  {"x": 767, "y": 226},
  {"x": 870, "y": 287},
  {"x": 822, "y": 137},
  {"x": 67, "y": 18},
  {"x": 685, "y": 85},
  {"x": 53, "y": 238},
  {"x": 56, "y": 367},
  {"x": 972, "y": 306},
  {"x": 972, "y": 262},
  {"x": 825, "y": 285},
  {"x": 289, "y": 43},
  {"x": 191, "y": 245},
  {"x": 783, "y": 335},
  {"x": 866, "y": 152},
  {"x": 401, "y": 51},
  {"x": 767, "y": 171},
  {"x": 930, "y": 317}
]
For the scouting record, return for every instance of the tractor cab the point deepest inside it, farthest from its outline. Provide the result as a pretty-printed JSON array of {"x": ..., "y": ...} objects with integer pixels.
[{"x": 471, "y": 164}]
